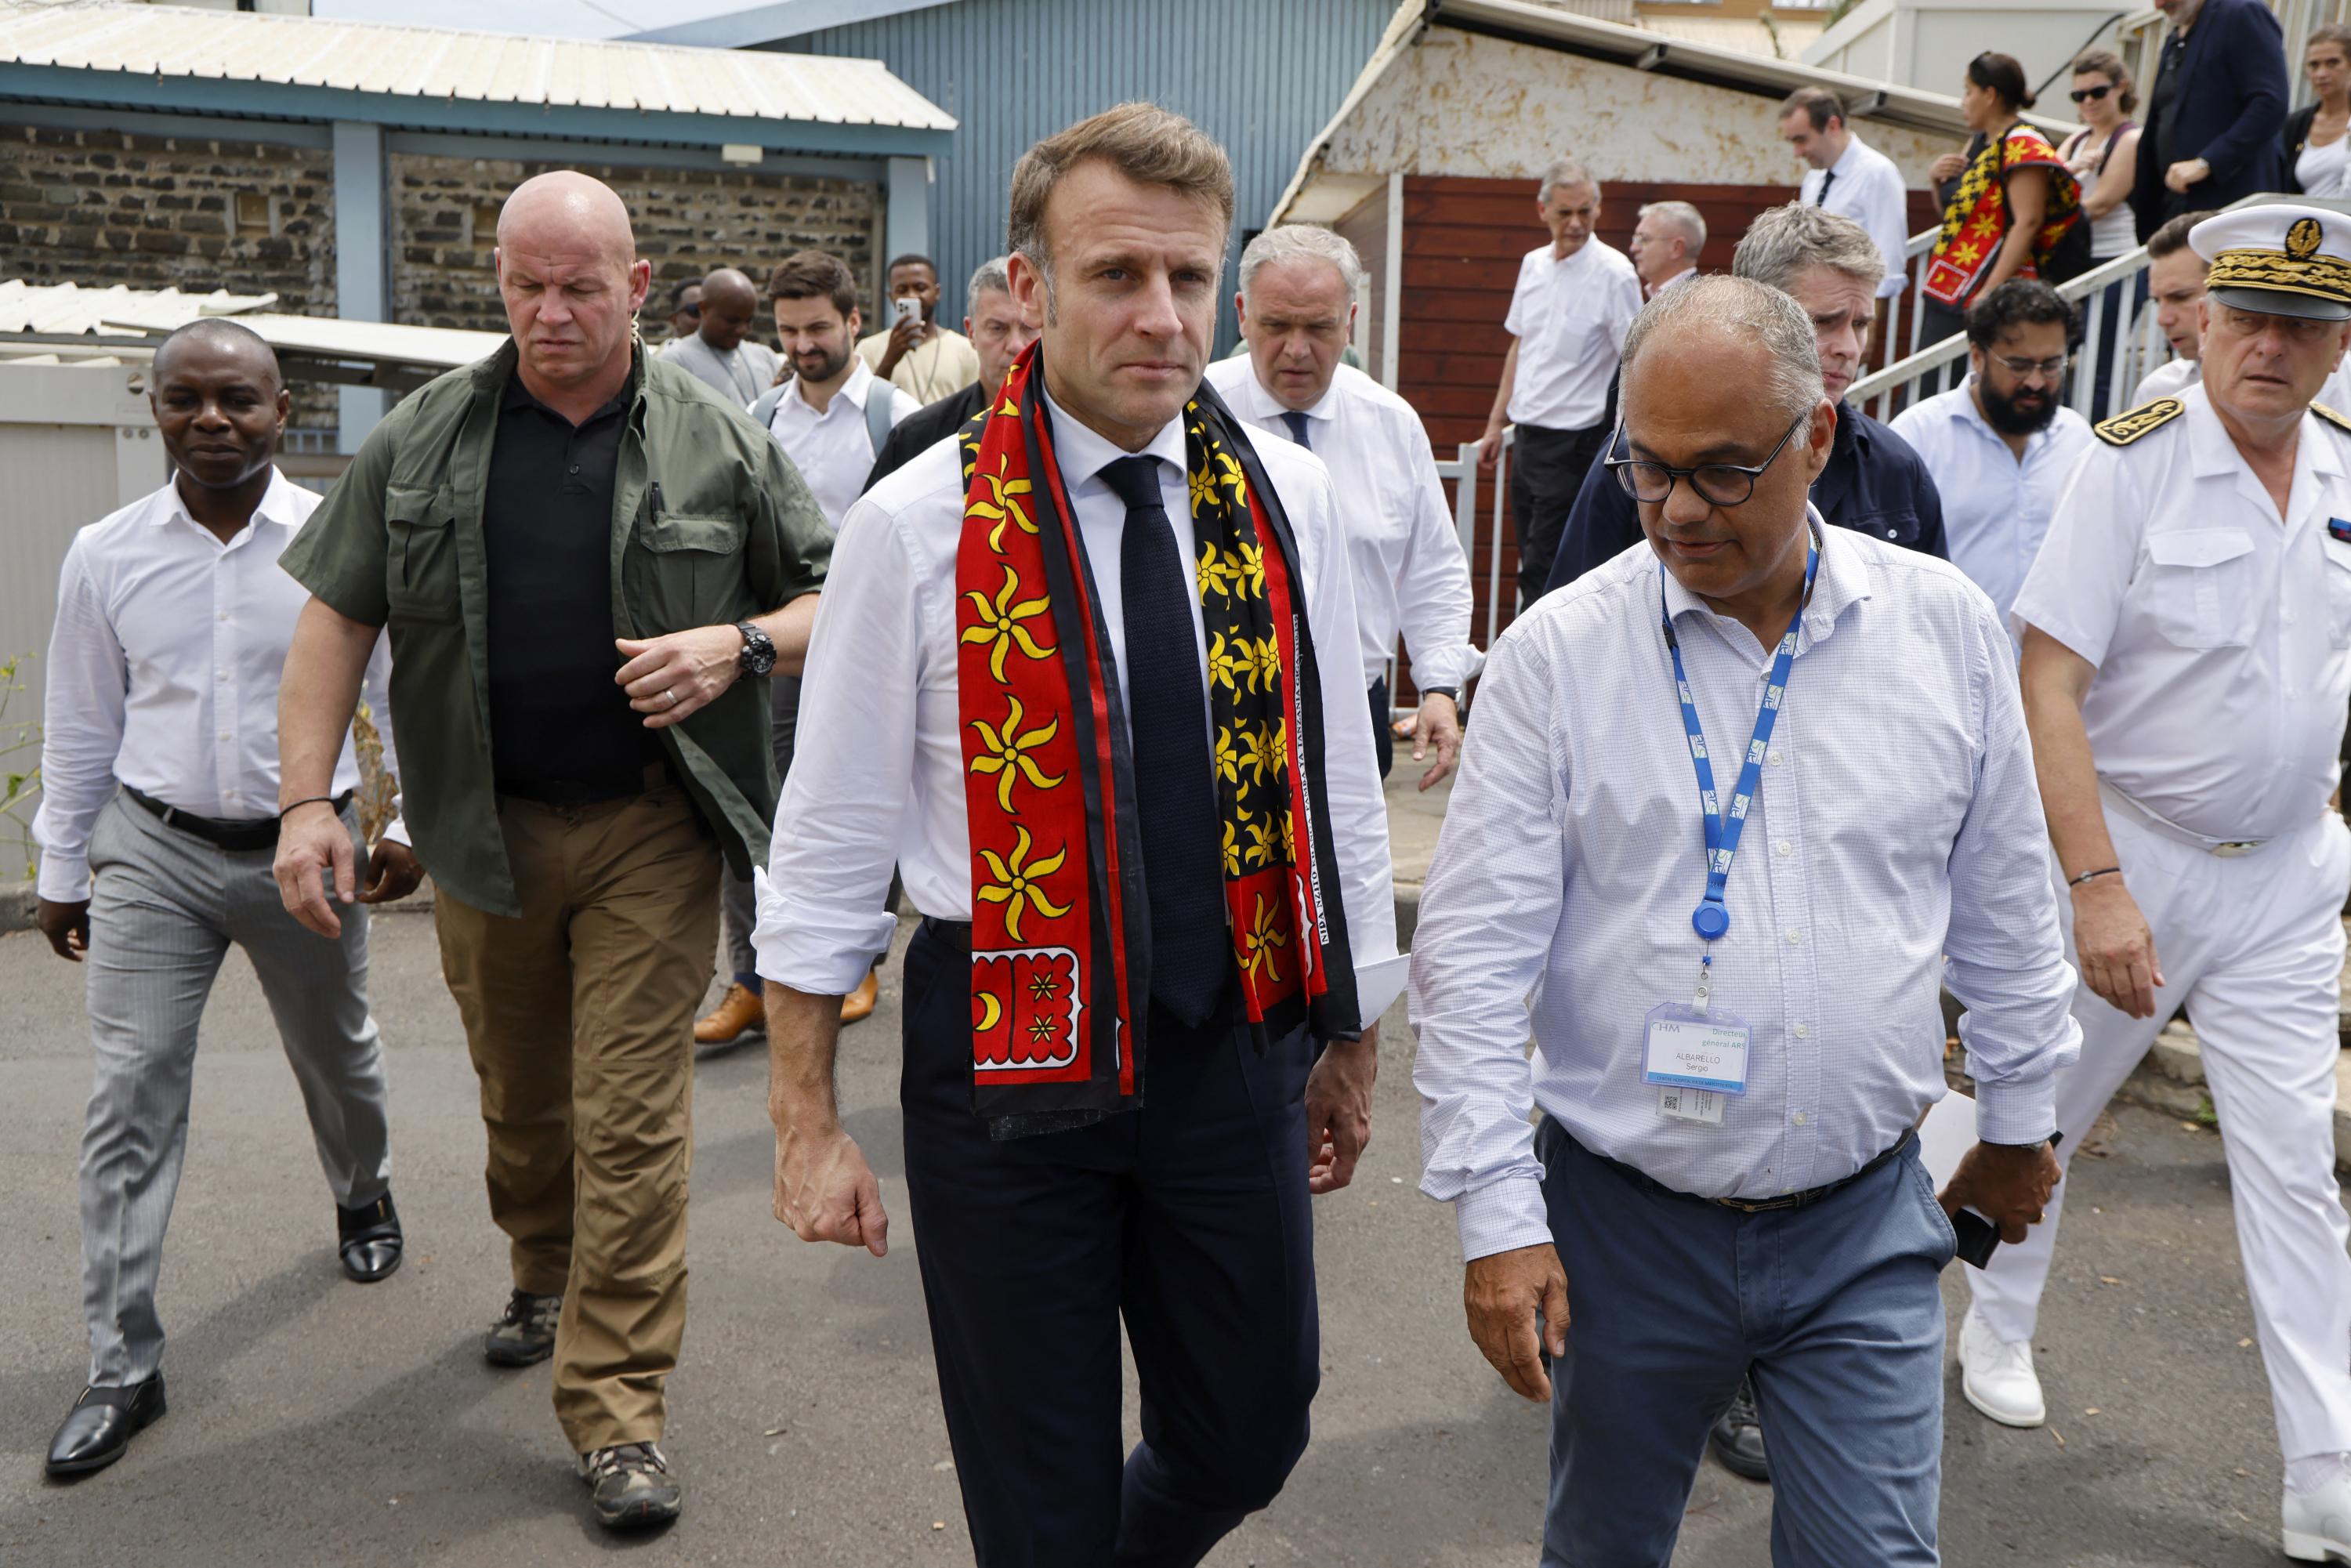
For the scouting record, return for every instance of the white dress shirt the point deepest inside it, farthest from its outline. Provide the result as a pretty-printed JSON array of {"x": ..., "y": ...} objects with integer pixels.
[
  {"x": 1410, "y": 573},
  {"x": 163, "y": 672},
  {"x": 833, "y": 450},
  {"x": 1996, "y": 508},
  {"x": 2221, "y": 631},
  {"x": 1897, "y": 822},
  {"x": 1868, "y": 189},
  {"x": 881, "y": 681},
  {"x": 1570, "y": 317}
]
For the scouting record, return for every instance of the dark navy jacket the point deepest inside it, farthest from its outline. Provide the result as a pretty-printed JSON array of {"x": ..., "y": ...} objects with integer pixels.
[
  {"x": 1874, "y": 484},
  {"x": 2230, "y": 107}
]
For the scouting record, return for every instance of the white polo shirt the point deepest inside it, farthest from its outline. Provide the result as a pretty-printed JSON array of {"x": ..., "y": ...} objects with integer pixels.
[
  {"x": 2221, "y": 631},
  {"x": 834, "y": 450},
  {"x": 1570, "y": 317}
]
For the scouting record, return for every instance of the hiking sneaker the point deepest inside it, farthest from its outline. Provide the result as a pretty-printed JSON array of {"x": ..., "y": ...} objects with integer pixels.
[
  {"x": 630, "y": 1485},
  {"x": 524, "y": 1335}
]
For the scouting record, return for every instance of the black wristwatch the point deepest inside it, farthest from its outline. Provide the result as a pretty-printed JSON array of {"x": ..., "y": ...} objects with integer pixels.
[
  {"x": 1453, "y": 691},
  {"x": 758, "y": 650}
]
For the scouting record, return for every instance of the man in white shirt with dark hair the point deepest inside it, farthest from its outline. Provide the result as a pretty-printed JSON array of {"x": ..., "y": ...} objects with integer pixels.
[
  {"x": 1847, "y": 175},
  {"x": 1086, "y": 668},
  {"x": 1297, "y": 305},
  {"x": 1568, "y": 312},
  {"x": 1731, "y": 1049},
  {"x": 158, "y": 825}
]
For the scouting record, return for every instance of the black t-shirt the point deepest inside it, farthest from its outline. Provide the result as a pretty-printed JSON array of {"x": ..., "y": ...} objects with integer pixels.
[{"x": 560, "y": 730}]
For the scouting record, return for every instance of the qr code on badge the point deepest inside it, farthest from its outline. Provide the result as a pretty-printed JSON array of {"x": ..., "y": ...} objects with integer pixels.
[{"x": 1689, "y": 1104}]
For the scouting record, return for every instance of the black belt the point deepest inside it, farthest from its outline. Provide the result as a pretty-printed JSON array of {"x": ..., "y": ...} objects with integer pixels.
[
  {"x": 239, "y": 836},
  {"x": 956, "y": 934},
  {"x": 1763, "y": 1204},
  {"x": 571, "y": 793}
]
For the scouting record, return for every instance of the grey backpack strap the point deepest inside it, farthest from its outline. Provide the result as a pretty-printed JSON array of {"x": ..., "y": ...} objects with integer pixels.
[
  {"x": 878, "y": 400},
  {"x": 764, "y": 410}
]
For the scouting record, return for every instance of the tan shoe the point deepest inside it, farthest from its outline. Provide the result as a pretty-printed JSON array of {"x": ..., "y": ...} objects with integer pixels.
[
  {"x": 739, "y": 1012},
  {"x": 859, "y": 1003}
]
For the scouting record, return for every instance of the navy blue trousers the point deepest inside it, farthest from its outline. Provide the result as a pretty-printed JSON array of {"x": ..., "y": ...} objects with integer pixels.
[
  {"x": 1835, "y": 1306},
  {"x": 1188, "y": 1220}
]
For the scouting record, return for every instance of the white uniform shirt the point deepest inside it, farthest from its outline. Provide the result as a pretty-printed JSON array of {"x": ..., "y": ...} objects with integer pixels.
[
  {"x": 1897, "y": 822},
  {"x": 1570, "y": 317},
  {"x": 833, "y": 450},
  {"x": 1410, "y": 573},
  {"x": 2167, "y": 377},
  {"x": 2221, "y": 631},
  {"x": 1868, "y": 189},
  {"x": 1995, "y": 508},
  {"x": 163, "y": 672},
  {"x": 881, "y": 683}
]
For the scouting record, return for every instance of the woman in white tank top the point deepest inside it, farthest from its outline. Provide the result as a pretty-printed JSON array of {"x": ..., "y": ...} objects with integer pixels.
[
  {"x": 2318, "y": 136},
  {"x": 2103, "y": 154}
]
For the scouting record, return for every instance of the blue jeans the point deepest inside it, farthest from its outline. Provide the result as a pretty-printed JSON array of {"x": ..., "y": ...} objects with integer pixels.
[{"x": 1836, "y": 1308}]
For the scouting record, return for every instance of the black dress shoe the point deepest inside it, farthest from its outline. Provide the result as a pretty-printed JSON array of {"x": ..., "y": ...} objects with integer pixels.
[
  {"x": 99, "y": 1429},
  {"x": 1736, "y": 1438},
  {"x": 371, "y": 1239}
]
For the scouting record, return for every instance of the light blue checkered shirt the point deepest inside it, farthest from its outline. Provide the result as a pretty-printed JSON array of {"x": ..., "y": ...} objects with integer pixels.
[{"x": 1898, "y": 823}]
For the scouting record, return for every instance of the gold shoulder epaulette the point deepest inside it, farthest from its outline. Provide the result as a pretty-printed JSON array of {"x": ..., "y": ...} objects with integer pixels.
[
  {"x": 2339, "y": 421},
  {"x": 2125, "y": 428}
]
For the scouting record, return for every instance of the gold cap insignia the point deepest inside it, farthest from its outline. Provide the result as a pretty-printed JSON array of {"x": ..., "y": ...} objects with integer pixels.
[{"x": 2302, "y": 239}]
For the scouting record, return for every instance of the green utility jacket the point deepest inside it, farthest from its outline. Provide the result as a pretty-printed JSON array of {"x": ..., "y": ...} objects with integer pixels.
[{"x": 398, "y": 542}]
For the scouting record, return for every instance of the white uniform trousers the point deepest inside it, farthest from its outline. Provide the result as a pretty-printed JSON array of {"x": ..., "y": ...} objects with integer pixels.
[{"x": 2252, "y": 947}]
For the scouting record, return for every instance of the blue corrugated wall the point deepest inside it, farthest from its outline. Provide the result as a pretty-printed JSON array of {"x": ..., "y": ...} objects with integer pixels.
[{"x": 1261, "y": 76}]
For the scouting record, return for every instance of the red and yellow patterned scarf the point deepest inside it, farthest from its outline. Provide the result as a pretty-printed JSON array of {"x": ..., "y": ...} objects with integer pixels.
[
  {"x": 1060, "y": 922},
  {"x": 1976, "y": 223}
]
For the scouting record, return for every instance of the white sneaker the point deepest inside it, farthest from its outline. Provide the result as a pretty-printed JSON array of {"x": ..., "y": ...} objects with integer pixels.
[
  {"x": 1998, "y": 1378},
  {"x": 2319, "y": 1523}
]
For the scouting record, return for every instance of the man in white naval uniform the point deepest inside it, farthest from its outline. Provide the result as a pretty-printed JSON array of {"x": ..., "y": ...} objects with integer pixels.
[{"x": 2186, "y": 670}]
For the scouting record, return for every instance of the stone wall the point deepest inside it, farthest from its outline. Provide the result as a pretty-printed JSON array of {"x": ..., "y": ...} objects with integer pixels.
[
  {"x": 687, "y": 222},
  {"x": 97, "y": 208}
]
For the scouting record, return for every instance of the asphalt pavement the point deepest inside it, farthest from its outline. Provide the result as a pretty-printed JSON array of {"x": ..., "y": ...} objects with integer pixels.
[{"x": 318, "y": 1422}]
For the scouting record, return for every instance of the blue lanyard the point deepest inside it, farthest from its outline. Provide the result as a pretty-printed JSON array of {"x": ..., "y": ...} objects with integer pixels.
[{"x": 1711, "y": 918}]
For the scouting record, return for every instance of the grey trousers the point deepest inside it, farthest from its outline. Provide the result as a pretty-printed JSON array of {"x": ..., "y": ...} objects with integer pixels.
[{"x": 164, "y": 909}]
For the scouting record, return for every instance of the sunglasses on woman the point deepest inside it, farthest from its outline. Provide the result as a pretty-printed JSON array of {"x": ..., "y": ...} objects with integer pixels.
[{"x": 2083, "y": 94}]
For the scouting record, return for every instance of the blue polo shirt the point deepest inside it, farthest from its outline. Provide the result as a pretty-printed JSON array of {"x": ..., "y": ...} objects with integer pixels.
[{"x": 1874, "y": 484}]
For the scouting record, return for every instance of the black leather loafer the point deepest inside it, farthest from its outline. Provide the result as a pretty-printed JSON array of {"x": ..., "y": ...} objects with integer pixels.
[
  {"x": 371, "y": 1239},
  {"x": 1736, "y": 1437},
  {"x": 99, "y": 1429}
]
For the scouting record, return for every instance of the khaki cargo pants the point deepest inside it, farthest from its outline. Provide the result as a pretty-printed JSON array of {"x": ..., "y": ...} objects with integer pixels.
[{"x": 579, "y": 1016}]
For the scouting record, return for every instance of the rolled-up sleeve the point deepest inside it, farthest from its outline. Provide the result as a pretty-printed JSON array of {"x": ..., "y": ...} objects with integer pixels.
[
  {"x": 823, "y": 893},
  {"x": 2007, "y": 955},
  {"x": 1489, "y": 915},
  {"x": 340, "y": 553}
]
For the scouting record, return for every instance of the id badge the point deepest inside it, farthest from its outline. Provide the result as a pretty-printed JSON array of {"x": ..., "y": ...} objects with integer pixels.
[{"x": 1683, "y": 1048}]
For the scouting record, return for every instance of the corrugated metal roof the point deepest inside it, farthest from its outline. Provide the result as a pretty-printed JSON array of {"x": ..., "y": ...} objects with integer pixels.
[
  {"x": 65, "y": 310},
  {"x": 440, "y": 63}
]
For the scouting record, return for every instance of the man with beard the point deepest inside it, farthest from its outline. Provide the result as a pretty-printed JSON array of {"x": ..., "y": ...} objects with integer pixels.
[
  {"x": 914, "y": 353},
  {"x": 1874, "y": 482},
  {"x": 1999, "y": 444},
  {"x": 2185, "y": 673},
  {"x": 998, "y": 334}
]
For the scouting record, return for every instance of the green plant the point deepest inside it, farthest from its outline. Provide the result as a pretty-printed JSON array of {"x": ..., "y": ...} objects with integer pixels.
[{"x": 20, "y": 741}]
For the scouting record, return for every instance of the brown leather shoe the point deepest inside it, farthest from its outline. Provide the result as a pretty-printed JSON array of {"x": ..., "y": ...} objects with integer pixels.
[
  {"x": 739, "y": 1012},
  {"x": 859, "y": 1003}
]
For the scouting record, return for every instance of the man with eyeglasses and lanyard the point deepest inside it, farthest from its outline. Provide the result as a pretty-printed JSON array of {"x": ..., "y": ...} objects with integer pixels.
[
  {"x": 2187, "y": 670},
  {"x": 1732, "y": 1051},
  {"x": 2001, "y": 444}
]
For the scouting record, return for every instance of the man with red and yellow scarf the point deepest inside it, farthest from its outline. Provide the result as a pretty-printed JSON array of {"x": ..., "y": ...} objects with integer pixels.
[{"x": 1087, "y": 672}]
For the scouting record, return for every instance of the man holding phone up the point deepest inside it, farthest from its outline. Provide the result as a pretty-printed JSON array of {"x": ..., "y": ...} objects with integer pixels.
[{"x": 914, "y": 352}]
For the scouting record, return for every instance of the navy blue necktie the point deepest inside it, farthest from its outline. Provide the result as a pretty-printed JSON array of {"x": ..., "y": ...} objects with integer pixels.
[
  {"x": 1823, "y": 199},
  {"x": 1174, "y": 777},
  {"x": 1297, "y": 422}
]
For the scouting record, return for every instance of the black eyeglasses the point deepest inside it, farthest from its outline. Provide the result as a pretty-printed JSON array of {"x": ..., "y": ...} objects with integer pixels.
[
  {"x": 2083, "y": 94},
  {"x": 1716, "y": 484}
]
